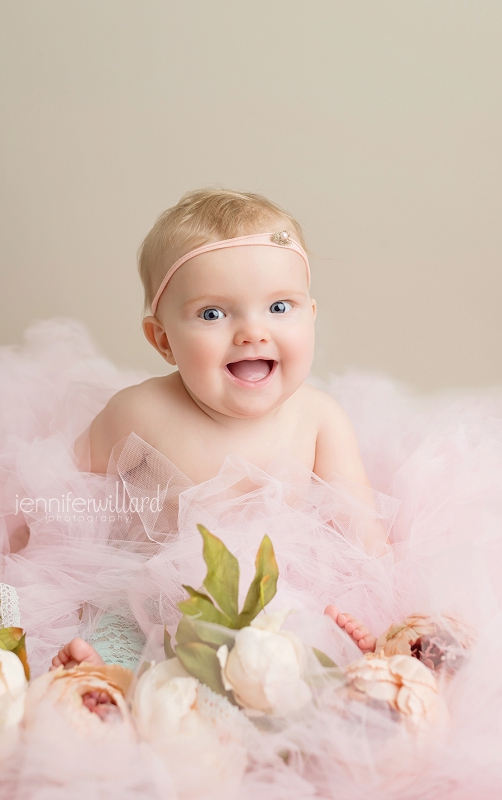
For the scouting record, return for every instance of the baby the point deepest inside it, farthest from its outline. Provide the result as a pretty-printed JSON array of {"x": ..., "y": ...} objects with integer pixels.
[{"x": 227, "y": 281}]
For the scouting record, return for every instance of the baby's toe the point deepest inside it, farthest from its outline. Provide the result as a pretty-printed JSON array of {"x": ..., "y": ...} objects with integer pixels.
[
  {"x": 367, "y": 643},
  {"x": 352, "y": 625},
  {"x": 332, "y": 611}
]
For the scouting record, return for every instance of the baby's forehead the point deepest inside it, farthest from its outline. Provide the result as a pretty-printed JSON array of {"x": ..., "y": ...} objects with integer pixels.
[{"x": 257, "y": 267}]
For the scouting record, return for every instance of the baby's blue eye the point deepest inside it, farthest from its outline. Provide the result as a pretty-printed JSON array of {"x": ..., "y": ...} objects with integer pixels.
[
  {"x": 212, "y": 313},
  {"x": 280, "y": 307}
]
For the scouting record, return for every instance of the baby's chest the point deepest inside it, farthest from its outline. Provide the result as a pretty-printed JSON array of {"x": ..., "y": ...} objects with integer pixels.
[{"x": 200, "y": 450}]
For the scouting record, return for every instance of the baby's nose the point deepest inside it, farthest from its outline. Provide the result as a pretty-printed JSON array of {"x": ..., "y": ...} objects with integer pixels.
[{"x": 251, "y": 331}]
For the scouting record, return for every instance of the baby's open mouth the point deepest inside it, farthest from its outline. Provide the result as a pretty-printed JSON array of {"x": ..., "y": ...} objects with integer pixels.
[{"x": 251, "y": 370}]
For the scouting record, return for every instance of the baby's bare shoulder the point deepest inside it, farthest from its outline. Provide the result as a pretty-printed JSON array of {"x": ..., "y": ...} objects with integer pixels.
[
  {"x": 133, "y": 404},
  {"x": 134, "y": 409},
  {"x": 337, "y": 449},
  {"x": 323, "y": 408}
]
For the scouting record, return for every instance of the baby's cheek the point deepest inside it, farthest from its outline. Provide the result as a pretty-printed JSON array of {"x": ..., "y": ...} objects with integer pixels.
[
  {"x": 197, "y": 368},
  {"x": 299, "y": 350},
  {"x": 195, "y": 356},
  {"x": 204, "y": 360}
]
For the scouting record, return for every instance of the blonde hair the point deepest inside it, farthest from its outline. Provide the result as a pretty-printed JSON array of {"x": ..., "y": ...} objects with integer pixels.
[{"x": 206, "y": 215}]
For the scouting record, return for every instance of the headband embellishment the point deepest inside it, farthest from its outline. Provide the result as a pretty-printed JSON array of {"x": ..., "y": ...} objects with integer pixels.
[{"x": 283, "y": 238}]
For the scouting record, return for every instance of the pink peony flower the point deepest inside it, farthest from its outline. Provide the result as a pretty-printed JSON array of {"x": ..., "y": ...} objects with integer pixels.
[
  {"x": 400, "y": 681},
  {"x": 91, "y": 699},
  {"x": 438, "y": 642}
]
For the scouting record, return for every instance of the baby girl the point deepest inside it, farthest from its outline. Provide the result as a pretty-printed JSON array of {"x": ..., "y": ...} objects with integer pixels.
[{"x": 227, "y": 281}]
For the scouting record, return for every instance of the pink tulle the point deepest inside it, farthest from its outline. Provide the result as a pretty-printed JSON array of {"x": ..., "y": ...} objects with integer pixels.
[{"x": 436, "y": 466}]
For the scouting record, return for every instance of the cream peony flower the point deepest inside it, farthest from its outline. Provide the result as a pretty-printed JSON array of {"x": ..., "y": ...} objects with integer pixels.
[
  {"x": 438, "y": 642},
  {"x": 13, "y": 686},
  {"x": 90, "y": 698},
  {"x": 403, "y": 682},
  {"x": 265, "y": 667},
  {"x": 164, "y": 695},
  {"x": 197, "y": 734}
]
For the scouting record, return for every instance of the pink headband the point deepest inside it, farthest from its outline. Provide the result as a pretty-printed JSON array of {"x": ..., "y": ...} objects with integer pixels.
[{"x": 281, "y": 239}]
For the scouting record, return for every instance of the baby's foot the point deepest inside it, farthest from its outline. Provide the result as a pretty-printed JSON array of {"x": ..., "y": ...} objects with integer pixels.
[
  {"x": 354, "y": 627},
  {"x": 74, "y": 653}
]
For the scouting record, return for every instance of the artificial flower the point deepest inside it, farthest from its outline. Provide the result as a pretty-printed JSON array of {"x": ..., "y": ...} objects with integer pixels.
[
  {"x": 265, "y": 668},
  {"x": 403, "y": 682},
  {"x": 13, "y": 686},
  {"x": 197, "y": 734},
  {"x": 164, "y": 695},
  {"x": 90, "y": 698},
  {"x": 438, "y": 642}
]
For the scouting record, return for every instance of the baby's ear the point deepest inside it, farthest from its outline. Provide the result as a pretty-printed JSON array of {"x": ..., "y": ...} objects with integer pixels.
[{"x": 157, "y": 337}]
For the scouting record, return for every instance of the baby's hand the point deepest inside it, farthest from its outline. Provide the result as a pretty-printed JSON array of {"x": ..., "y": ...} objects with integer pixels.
[{"x": 74, "y": 653}]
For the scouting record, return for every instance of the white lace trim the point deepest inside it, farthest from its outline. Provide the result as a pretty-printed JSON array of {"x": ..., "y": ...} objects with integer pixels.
[
  {"x": 10, "y": 616},
  {"x": 227, "y": 717}
]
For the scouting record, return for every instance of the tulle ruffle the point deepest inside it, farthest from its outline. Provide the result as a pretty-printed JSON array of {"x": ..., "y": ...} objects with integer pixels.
[{"x": 436, "y": 465}]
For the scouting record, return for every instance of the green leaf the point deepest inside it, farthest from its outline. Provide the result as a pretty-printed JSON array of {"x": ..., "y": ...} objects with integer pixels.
[
  {"x": 168, "y": 648},
  {"x": 222, "y": 579},
  {"x": 10, "y": 638},
  {"x": 203, "y": 609},
  {"x": 21, "y": 653},
  {"x": 146, "y": 665},
  {"x": 264, "y": 585},
  {"x": 191, "y": 629},
  {"x": 14, "y": 639},
  {"x": 195, "y": 593},
  {"x": 212, "y": 634},
  {"x": 201, "y": 661},
  {"x": 324, "y": 660},
  {"x": 186, "y": 632}
]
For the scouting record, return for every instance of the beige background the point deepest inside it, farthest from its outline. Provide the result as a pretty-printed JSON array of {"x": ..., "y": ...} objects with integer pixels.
[{"x": 377, "y": 122}]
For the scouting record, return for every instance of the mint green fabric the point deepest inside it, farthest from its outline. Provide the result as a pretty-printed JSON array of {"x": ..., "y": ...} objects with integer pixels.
[{"x": 118, "y": 641}]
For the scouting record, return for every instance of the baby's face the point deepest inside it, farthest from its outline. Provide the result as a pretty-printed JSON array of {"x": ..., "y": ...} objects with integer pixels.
[{"x": 239, "y": 324}]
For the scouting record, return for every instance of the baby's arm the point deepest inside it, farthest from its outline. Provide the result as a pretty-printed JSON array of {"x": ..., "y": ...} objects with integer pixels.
[
  {"x": 74, "y": 653},
  {"x": 122, "y": 415},
  {"x": 337, "y": 451},
  {"x": 110, "y": 425}
]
